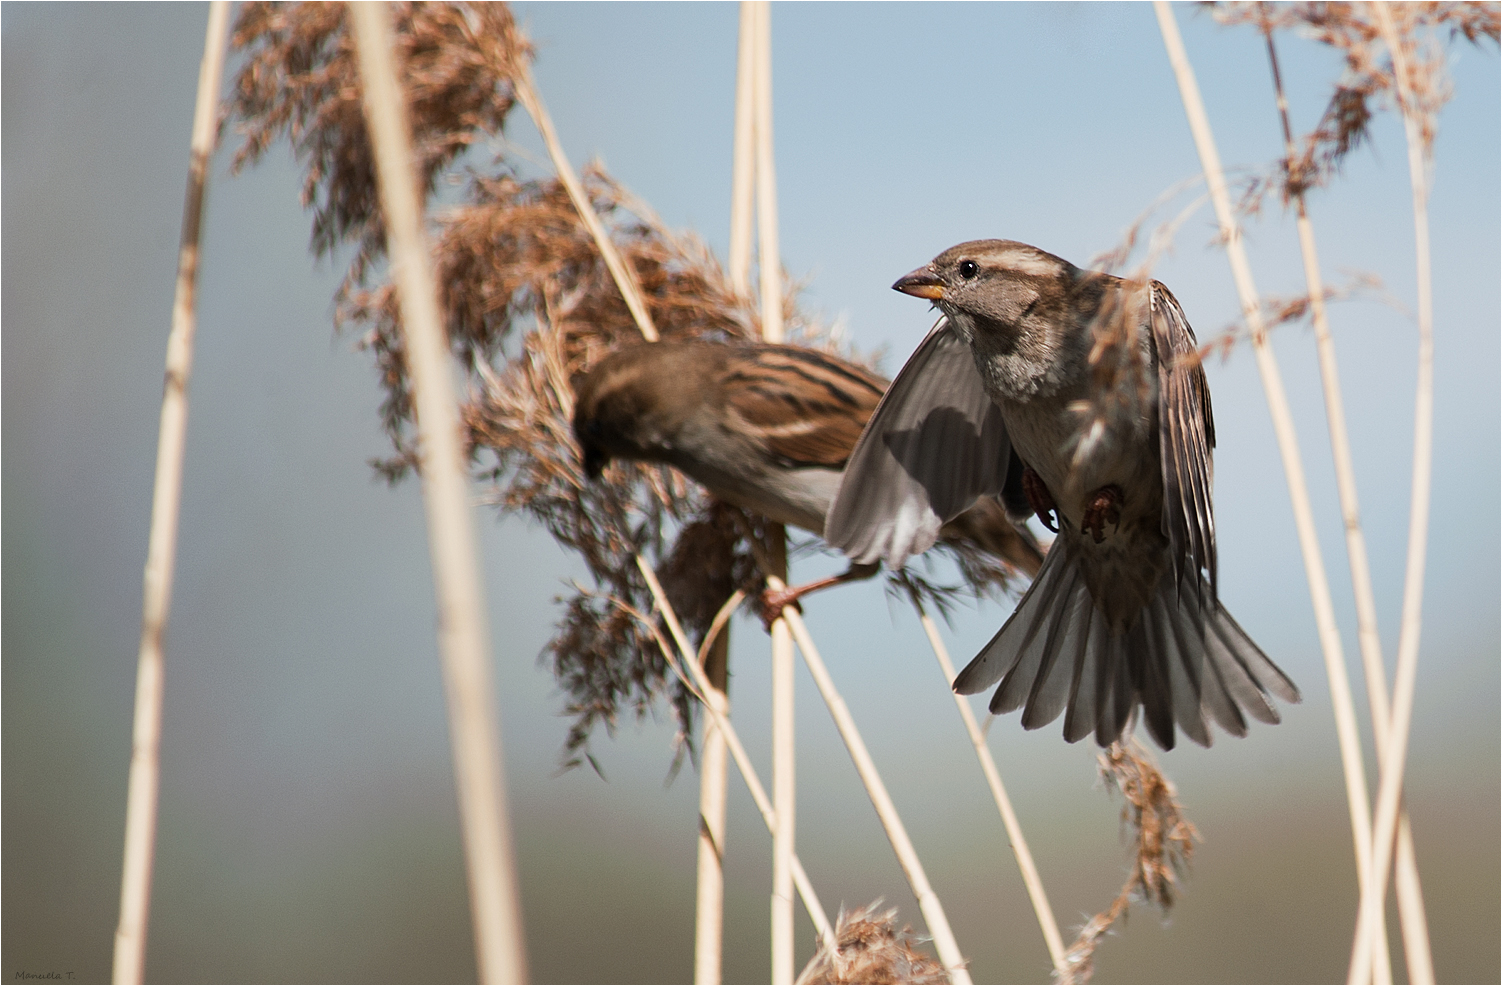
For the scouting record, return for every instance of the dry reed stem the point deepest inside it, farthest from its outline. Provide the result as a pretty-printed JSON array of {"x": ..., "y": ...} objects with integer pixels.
[
  {"x": 144, "y": 784},
  {"x": 695, "y": 680},
  {"x": 886, "y": 811},
  {"x": 464, "y": 636},
  {"x": 1277, "y": 402},
  {"x": 769, "y": 257},
  {"x": 1410, "y": 899},
  {"x": 868, "y": 948},
  {"x": 1025, "y": 864},
  {"x": 743, "y": 177},
  {"x": 1418, "y": 126},
  {"x": 1163, "y": 846},
  {"x": 526, "y": 93},
  {"x": 709, "y": 911},
  {"x": 709, "y": 896},
  {"x": 784, "y": 750},
  {"x": 784, "y": 772}
]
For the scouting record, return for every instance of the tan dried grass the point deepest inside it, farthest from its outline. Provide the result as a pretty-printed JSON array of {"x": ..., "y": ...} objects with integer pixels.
[
  {"x": 1162, "y": 847},
  {"x": 869, "y": 948}
]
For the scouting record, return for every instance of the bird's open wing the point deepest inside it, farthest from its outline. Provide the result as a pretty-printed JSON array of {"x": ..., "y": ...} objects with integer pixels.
[
  {"x": 935, "y": 444},
  {"x": 1186, "y": 435},
  {"x": 806, "y": 408}
]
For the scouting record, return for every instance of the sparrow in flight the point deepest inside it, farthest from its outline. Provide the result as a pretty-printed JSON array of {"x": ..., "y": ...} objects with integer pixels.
[{"x": 1094, "y": 384}]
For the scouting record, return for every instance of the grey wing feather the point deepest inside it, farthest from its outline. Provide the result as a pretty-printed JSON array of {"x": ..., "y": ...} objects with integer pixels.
[
  {"x": 935, "y": 444},
  {"x": 1186, "y": 435}
]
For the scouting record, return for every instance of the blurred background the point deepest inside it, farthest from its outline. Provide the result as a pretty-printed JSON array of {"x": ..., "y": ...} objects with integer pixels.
[{"x": 308, "y": 829}]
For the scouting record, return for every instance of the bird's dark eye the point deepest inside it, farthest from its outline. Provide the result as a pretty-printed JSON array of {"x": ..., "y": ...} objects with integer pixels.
[{"x": 969, "y": 269}]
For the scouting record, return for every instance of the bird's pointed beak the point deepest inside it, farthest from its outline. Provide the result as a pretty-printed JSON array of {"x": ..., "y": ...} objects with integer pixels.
[{"x": 921, "y": 283}]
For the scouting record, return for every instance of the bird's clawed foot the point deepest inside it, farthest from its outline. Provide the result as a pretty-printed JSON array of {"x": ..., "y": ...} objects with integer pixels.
[
  {"x": 1039, "y": 498},
  {"x": 773, "y": 602},
  {"x": 1104, "y": 508}
]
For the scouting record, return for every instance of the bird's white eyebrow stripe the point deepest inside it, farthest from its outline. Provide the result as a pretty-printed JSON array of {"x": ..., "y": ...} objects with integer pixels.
[{"x": 1025, "y": 262}]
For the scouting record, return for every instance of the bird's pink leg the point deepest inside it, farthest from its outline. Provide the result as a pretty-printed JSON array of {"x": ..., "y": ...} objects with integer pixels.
[
  {"x": 1104, "y": 507},
  {"x": 773, "y": 603},
  {"x": 1039, "y": 498}
]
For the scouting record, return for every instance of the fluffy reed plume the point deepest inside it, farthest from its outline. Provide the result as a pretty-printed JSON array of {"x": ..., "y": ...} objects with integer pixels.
[
  {"x": 868, "y": 948},
  {"x": 1366, "y": 82},
  {"x": 1162, "y": 847},
  {"x": 530, "y": 305},
  {"x": 300, "y": 80}
]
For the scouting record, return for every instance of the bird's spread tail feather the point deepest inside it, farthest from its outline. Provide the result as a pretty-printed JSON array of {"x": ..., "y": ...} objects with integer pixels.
[{"x": 1183, "y": 660}]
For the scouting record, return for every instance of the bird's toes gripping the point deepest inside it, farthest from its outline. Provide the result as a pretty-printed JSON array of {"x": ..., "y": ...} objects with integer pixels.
[
  {"x": 1039, "y": 498},
  {"x": 1104, "y": 508},
  {"x": 774, "y": 601}
]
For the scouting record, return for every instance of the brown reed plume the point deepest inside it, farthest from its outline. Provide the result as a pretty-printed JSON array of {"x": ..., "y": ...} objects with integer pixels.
[
  {"x": 1366, "y": 84},
  {"x": 1162, "y": 847},
  {"x": 530, "y": 305},
  {"x": 868, "y": 948}
]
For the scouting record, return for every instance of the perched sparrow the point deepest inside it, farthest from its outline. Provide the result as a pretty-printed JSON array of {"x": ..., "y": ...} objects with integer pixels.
[
  {"x": 764, "y": 427},
  {"x": 1091, "y": 380}
]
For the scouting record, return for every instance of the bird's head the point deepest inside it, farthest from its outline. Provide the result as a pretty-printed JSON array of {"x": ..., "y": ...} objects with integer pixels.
[
  {"x": 630, "y": 404},
  {"x": 1001, "y": 282}
]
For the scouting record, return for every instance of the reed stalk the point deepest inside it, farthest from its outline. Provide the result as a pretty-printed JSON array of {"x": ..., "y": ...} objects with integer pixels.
[
  {"x": 743, "y": 168},
  {"x": 710, "y": 908},
  {"x": 1410, "y": 895},
  {"x": 464, "y": 636},
  {"x": 757, "y": 14},
  {"x": 694, "y": 678},
  {"x": 768, "y": 255},
  {"x": 144, "y": 785},
  {"x": 624, "y": 277},
  {"x": 886, "y": 811},
  {"x": 1395, "y": 751},
  {"x": 1282, "y": 418},
  {"x": 784, "y": 767},
  {"x": 1030, "y": 878},
  {"x": 709, "y": 899}
]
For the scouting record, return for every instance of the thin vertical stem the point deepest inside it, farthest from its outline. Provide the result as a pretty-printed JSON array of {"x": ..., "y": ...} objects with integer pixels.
[
  {"x": 709, "y": 912},
  {"x": 1394, "y": 759},
  {"x": 1030, "y": 878},
  {"x": 709, "y": 920},
  {"x": 743, "y": 168},
  {"x": 463, "y": 633},
  {"x": 758, "y": 16},
  {"x": 886, "y": 811},
  {"x": 784, "y": 785},
  {"x": 766, "y": 182},
  {"x": 624, "y": 276},
  {"x": 1283, "y": 428},
  {"x": 161, "y": 550},
  {"x": 1410, "y": 896}
]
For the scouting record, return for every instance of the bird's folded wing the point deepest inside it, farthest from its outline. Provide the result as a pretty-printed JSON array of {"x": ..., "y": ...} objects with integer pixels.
[
  {"x": 804, "y": 407},
  {"x": 935, "y": 444},
  {"x": 1186, "y": 434}
]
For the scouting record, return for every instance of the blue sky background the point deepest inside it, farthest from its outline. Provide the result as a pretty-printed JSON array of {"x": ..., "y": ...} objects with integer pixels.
[{"x": 308, "y": 828}]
